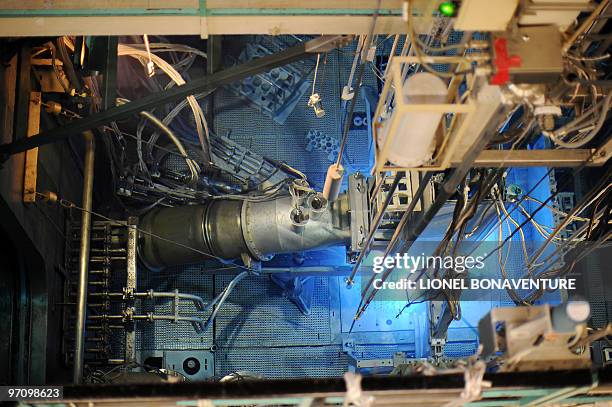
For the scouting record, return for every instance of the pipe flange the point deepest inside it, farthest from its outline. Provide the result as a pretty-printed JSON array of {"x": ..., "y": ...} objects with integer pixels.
[
  {"x": 318, "y": 205},
  {"x": 247, "y": 234},
  {"x": 299, "y": 218}
]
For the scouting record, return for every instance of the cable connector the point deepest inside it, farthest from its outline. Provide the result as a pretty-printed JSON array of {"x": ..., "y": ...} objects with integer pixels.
[{"x": 315, "y": 102}]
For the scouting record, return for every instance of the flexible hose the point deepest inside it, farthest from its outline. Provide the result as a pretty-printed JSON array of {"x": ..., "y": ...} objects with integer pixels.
[{"x": 220, "y": 299}]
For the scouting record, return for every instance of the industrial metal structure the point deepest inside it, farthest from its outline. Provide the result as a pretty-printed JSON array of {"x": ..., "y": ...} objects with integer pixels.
[{"x": 364, "y": 202}]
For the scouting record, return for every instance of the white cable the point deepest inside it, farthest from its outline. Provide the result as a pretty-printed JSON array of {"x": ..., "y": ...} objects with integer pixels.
[
  {"x": 316, "y": 70},
  {"x": 200, "y": 120},
  {"x": 150, "y": 64},
  {"x": 515, "y": 223},
  {"x": 165, "y": 47},
  {"x": 555, "y": 210},
  {"x": 193, "y": 166}
]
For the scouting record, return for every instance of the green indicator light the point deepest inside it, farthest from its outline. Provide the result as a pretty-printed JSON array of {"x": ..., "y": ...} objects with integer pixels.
[{"x": 447, "y": 9}]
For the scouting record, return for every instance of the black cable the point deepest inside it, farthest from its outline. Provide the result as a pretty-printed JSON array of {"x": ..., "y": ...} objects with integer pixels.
[{"x": 530, "y": 218}]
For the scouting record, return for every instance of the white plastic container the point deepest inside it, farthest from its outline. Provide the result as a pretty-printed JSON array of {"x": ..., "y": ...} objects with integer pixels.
[{"x": 414, "y": 144}]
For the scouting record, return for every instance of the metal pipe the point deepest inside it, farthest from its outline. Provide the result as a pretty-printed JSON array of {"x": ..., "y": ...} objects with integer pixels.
[{"x": 88, "y": 175}]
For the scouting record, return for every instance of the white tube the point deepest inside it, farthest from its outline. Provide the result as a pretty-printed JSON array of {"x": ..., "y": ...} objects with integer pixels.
[{"x": 333, "y": 182}]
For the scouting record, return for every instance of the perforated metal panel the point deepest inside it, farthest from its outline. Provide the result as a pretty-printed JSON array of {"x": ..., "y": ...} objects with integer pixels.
[
  {"x": 287, "y": 142},
  {"x": 460, "y": 349},
  {"x": 256, "y": 314},
  {"x": 323, "y": 361},
  {"x": 377, "y": 351}
]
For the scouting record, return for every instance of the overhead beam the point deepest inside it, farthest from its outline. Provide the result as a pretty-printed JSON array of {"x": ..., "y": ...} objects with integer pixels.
[
  {"x": 31, "y": 26},
  {"x": 211, "y": 17},
  {"x": 539, "y": 158}
]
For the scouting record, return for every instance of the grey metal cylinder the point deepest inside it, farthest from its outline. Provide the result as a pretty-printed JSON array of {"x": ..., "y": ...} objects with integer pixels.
[
  {"x": 268, "y": 228},
  {"x": 227, "y": 229},
  {"x": 81, "y": 314},
  {"x": 169, "y": 236}
]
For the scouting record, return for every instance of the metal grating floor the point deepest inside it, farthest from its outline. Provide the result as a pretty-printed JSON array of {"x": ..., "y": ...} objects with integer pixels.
[
  {"x": 298, "y": 361},
  {"x": 257, "y": 314}
]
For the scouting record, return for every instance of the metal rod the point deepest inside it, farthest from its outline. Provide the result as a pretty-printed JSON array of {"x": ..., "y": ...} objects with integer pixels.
[
  {"x": 375, "y": 224},
  {"x": 376, "y": 190},
  {"x": 534, "y": 158},
  {"x": 407, "y": 214},
  {"x": 362, "y": 65},
  {"x": 88, "y": 175}
]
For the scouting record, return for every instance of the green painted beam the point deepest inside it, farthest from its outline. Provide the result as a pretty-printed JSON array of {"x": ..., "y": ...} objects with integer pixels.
[
  {"x": 587, "y": 399},
  {"x": 492, "y": 403}
]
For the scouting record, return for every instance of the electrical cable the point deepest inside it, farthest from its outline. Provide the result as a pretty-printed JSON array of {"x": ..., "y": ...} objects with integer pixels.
[
  {"x": 193, "y": 166},
  {"x": 568, "y": 179},
  {"x": 200, "y": 120},
  {"x": 586, "y": 202},
  {"x": 555, "y": 210}
]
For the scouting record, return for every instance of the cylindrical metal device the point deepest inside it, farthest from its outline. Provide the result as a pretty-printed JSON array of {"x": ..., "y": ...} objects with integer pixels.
[
  {"x": 415, "y": 140},
  {"x": 317, "y": 205},
  {"x": 268, "y": 228},
  {"x": 566, "y": 316},
  {"x": 228, "y": 228},
  {"x": 169, "y": 235}
]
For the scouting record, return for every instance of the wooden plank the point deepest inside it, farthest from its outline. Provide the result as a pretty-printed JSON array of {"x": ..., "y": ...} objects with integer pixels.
[
  {"x": 7, "y": 100},
  {"x": 31, "y": 156},
  {"x": 96, "y": 4}
]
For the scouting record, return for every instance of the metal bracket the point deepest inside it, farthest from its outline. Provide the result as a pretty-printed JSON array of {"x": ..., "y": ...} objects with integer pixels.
[{"x": 358, "y": 202}]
